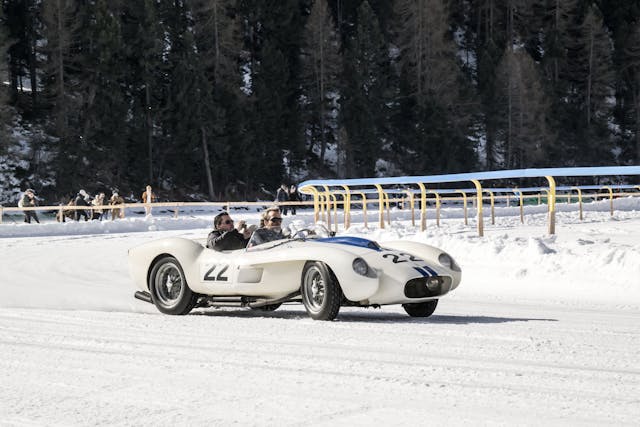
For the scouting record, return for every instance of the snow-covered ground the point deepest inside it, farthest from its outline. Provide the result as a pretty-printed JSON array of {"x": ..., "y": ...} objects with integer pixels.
[{"x": 543, "y": 330}]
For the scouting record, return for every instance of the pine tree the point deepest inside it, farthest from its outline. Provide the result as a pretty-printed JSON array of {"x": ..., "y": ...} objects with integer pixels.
[
  {"x": 60, "y": 33},
  {"x": 101, "y": 141},
  {"x": 143, "y": 56},
  {"x": 219, "y": 44},
  {"x": 4, "y": 98},
  {"x": 363, "y": 103},
  {"x": 591, "y": 78},
  {"x": 434, "y": 87},
  {"x": 524, "y": 132},
  {"x": 631, "y": 82},
  {"x": 322, "y": 64}
]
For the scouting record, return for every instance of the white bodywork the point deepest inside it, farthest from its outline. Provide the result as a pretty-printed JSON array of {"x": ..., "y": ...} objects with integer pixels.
[{"x": 274, "y": 270}]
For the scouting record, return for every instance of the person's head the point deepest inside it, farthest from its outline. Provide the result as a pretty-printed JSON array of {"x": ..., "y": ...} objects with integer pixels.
[
  {"x": 223, "y": 221},
  {"x": 30, "y": 193},
  {"x": 272, "y": 218},
  {"x": 148, "y": 188},
  {"x": 83, "y": 193}
]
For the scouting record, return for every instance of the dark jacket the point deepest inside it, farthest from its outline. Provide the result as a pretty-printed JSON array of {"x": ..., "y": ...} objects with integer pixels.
[
  {"x": 80, "y": 201},
  {"x": 226, "y": 240}
]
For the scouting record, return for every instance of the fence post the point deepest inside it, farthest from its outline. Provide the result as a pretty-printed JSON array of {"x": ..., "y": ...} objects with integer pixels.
[
  {"x": 347, "y": 207},
  {"x": 423, "y": 207},
  {"x": 552, "y": 204},
  {"x": 380, "y": 205},
  {"x": 464, "y": 201},
  {"x": 606, "y": 187},
  {"x": 479, "y": 202}
]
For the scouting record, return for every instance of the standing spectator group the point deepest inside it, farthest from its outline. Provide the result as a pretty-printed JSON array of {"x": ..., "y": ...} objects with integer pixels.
[{"x": 287, "y": 194}]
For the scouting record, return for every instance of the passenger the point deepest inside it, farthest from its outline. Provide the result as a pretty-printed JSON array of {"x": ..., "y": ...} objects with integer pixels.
[
  {"x": 271, "y": 229},
  {"x": 225, "y": 237}
]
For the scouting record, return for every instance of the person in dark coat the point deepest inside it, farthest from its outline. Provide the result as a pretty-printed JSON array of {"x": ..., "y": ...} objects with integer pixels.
[
  {"x": 82, "y": 199},
  {"x": 294, "y": 196},
  {"x": 282, "y": 195},
  {"x": 226, "y": 237}
]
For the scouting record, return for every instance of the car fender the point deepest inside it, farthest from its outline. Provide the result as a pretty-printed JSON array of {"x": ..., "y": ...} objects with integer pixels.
[
  {"x": 428, "y": 253},
  {"x": 184, "y": 250}
]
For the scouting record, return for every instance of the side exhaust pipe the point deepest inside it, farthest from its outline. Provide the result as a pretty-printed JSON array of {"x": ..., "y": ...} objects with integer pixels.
[{"x": 143, "y": 296}]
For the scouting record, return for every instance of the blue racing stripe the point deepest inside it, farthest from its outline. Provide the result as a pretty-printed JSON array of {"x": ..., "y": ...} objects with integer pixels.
[
  {"x": 421, "y": 271},
  {"x": 430, "y": 270}
]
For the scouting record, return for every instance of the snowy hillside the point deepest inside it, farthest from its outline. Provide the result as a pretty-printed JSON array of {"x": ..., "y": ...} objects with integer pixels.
[{"x": 543, "y": 330}]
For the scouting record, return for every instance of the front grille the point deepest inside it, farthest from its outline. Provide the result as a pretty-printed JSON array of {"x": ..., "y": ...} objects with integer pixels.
[{"x": 417, "y": 288}]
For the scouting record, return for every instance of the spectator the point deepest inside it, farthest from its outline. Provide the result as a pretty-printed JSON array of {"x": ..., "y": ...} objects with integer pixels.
[
  {"x": 63, "y": 214},
  {"x": 271, "y": 228},
  {"x": 148, "y": 197},
  {"x": 294, "y": 196},
  {"x": 28, "y": 200},
  {"x": 82, "y": 199},
  {"x": 225, "y": 237},
  {"x": 96, "y": 213},
  {"x": 116, "y": 200},
  {"x": 282, "y": 195}
]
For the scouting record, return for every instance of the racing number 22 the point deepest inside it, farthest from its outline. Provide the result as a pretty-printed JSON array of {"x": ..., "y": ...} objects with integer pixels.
[
  {"x": 397, "y": 258},
  {"x": 211, "y": 275}
]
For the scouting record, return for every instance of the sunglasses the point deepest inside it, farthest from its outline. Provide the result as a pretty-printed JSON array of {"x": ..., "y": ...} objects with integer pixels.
[
  {"x": 229, "y": 221},
  {"x": 275, "y": 219}
]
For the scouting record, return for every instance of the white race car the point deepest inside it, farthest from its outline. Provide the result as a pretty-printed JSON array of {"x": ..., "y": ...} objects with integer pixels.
[{"x": 324, "y": 273}]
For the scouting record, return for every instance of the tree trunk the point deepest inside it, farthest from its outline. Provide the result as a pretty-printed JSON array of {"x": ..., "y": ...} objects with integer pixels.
[
  {"x": 207, "y": 165},
  {"x": 149, "y": 129},
  {"x": 590, "y": 75}
]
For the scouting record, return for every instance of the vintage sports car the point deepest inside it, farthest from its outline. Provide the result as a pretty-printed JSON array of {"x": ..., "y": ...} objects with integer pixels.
[{"x": 324, "y": 273}]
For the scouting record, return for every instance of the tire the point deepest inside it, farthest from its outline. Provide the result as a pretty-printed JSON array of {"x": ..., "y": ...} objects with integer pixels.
[
  {"x": 421, "y": 309},
  {"x": 269, "y": 307},
  {"x": 170, "y": 292},
  {"x": 321, "y": 293}
]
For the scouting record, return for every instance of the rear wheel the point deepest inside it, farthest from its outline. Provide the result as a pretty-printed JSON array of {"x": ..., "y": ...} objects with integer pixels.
[
  {"x": 421, "y": 309},
  {"x": 169, "y": 289},
  {"x": 321, "y": 293}
]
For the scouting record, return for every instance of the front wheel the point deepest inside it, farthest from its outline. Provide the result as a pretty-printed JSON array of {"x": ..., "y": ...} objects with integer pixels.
[
  {"x": 169, "y": 290},
  {"x": 321, "y": 293},
  {"x": 421, "y": 309}
]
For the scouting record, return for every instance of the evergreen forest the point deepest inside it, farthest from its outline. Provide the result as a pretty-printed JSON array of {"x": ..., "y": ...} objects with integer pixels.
[{"x": 226, "y": 99}]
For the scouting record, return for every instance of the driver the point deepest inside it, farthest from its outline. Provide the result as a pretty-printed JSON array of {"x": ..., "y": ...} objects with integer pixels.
[
  {"x": 225, "y": 237},
  {"x": 271, "y": 228}
]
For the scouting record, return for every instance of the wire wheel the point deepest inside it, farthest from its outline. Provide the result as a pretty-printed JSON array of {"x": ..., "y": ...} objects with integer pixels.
[
  {"x": 321, "y": 293},
  {"x": 169, "y": 290}
]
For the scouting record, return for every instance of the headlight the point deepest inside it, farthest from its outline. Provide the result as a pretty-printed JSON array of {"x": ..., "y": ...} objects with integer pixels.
[
  {"x": 446, "y": 261},
  {"x": 360, "y": 266},
  {"x": 433, "y": 283}
]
